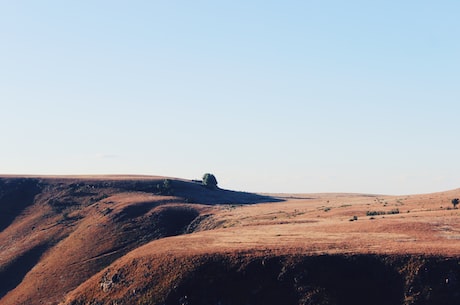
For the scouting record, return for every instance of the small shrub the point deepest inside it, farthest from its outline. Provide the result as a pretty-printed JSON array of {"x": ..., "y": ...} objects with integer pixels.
[
  {"x": 165, "y": 188},
  {"x": 455, "y": 202},
  {"x": 375, "y": 213}
]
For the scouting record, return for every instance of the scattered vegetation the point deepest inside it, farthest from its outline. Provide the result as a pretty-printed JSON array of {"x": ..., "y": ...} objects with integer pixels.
[
  {"x": 59, "y": 205},
  {"x": 209, "y": 181},
  {"x": 455, "y": 202},
  {"x": 165, "y": 188},
  {"x": 354, "y": 218},
  {"x": 375, "y": 213}
]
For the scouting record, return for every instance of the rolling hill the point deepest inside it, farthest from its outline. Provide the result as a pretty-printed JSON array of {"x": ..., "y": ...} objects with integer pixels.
[{"x": 154, "y": 240}]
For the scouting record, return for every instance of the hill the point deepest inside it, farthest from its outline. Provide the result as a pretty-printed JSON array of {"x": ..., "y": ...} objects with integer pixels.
[{"x": 156, "y": 240}]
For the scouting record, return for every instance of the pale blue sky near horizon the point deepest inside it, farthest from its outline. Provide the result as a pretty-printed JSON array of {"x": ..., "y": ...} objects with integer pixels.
[{"x": 270, "y": 96}]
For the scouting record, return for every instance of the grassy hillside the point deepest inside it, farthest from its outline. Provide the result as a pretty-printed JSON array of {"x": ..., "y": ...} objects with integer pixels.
[{"x": 155, "y": 240}]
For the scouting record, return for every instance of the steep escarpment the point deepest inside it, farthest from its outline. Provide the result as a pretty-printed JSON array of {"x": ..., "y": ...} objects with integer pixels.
[{"x": 267, "y": 278}]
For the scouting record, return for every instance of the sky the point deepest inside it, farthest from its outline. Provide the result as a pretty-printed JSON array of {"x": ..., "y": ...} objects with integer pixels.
[{"x": 269, "y": 96}]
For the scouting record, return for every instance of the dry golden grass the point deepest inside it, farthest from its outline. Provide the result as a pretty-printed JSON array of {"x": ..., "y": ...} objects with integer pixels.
[
  {"x": 101, "y": 236},
  {"x": 320, "y": 223}
]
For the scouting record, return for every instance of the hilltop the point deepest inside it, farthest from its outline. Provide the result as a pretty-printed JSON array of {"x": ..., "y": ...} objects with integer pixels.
[{"x": 157, "y": 240}]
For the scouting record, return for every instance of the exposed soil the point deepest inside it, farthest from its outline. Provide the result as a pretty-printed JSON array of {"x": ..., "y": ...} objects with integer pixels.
[{"x": 145, "y": 240}]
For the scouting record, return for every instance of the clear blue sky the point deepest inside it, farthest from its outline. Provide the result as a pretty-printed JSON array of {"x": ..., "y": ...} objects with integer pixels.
[{"x": 274, "y": 96}]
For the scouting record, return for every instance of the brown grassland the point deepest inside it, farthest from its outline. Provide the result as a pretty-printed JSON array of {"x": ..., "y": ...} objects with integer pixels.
[{"x": 132, "y": 240}]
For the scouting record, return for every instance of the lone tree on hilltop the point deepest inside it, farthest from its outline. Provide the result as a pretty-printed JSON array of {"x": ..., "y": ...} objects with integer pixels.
[
  {"x": 209, "y": 181},
  {"x": 455, "y": 202}
]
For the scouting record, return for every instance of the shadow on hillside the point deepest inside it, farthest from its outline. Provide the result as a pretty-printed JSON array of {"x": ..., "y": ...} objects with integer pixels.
[
  {"x": 195, "y": 192},
  {"x": 15, "y": 195},
  {"x": 191, "y": 192},
  {"x": 332, "y": 280},
  {"x": 12, "y": 275}
]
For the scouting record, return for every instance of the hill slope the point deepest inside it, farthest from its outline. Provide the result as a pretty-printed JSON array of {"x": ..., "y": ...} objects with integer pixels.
[
  {"x": 57, "y": 232},
  {"x": 152, "y": 240}
]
